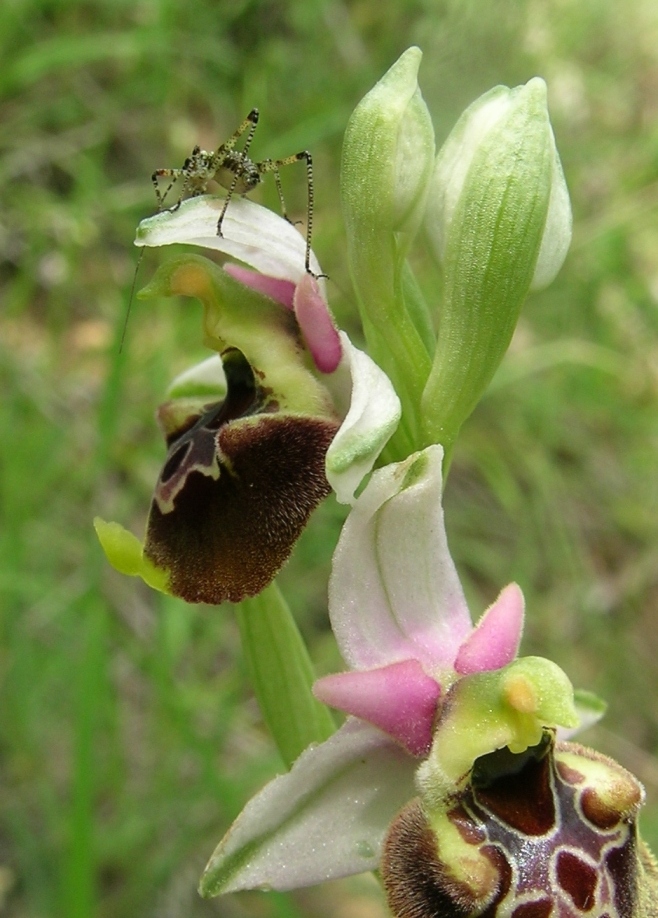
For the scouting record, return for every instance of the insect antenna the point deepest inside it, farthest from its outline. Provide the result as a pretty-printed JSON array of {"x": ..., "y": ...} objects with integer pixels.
[{"x": 130, "y": 299}]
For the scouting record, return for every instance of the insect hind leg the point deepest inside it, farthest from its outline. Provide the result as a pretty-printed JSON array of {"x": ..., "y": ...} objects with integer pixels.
[
  {"x": 249, "y": 124},
  {"x": 185, "y": 172},
  {"x": 274, "y": 165}
]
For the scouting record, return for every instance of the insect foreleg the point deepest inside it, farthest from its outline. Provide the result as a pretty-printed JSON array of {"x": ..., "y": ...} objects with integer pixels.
[
  {"x": 174, "y": 175},
  {"x": 249, "y": 124}
]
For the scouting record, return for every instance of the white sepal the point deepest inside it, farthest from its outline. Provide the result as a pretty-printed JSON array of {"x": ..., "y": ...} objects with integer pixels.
[
  {"x": 364, "y": 395},
  {"x": 253, "y": 234},
  {"x": 325, "y": 819}
]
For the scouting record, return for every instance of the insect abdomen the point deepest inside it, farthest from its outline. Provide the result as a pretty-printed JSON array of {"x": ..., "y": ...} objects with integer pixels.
[{"x": 237, "y": 170}]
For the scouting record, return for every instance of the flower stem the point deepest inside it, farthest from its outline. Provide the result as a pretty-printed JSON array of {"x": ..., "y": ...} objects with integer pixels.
[{"x": 281, "y": 673}]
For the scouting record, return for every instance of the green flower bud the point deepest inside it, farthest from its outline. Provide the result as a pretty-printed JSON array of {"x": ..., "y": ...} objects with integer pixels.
[
  {"x": 499, "y": 217},
  {"x": 388, "y": 156}
]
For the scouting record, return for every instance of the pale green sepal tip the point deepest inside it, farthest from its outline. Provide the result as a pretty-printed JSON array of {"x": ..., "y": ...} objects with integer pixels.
[
  {"x": 147, "y": 224},
  {"x": 125, "y": 553},
  {"x": 354, "y": 449},
  {"x": 347, "y": 465},
  {"x": 590, "y": 710},
  {"x": 588, "y": 703},
  {"x": 205, "y": 379},
  {"x": 157, "y": 223},
  {"x": 384, "y": 105},
  {"x": 357, "y": 448},
  {"x": 402, "y": 74}
]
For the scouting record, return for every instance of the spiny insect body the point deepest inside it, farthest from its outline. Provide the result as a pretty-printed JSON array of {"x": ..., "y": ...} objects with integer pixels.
[{"x": 235, "y": 171}]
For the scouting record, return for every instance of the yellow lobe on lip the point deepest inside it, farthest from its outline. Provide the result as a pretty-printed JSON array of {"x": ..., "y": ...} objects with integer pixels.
[
  {"x": 520, "y": 693},
  {"x": 191, "y": 279}
]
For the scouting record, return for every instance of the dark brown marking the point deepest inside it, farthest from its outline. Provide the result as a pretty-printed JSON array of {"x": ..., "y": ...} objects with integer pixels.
[
  {"x": 569, "y": 775},
  {"x": 540, "y": 909},
  {"x": 608, "y": 813},
  {"x": 523, "y": 800},
  {"x": 469, "y": 830},
  {"x": 237, "y": 488},
  {"x": 578, "y": 879},
  {"x": 227, "y": 538},
  {"x": 621, "y": 864}
]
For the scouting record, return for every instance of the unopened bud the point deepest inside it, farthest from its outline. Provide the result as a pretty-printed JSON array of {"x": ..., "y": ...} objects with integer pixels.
[{"x": 499, "y": 216}]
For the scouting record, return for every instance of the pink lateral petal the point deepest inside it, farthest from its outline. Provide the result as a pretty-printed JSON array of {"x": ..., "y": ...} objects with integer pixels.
[
  {"x": 275, "y": 287},
  {"x": 317, "y": 325},
  {"x": 494, "y": 642},
  {"x": 399, "y": 699}
]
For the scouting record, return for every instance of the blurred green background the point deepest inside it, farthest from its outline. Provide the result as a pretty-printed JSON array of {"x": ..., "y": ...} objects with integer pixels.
[{"x": 129, "y": 738}]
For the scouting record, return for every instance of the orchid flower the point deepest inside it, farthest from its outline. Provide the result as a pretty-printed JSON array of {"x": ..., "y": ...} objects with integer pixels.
[
  {"x": 256, "y": 439},
  {"x": 402, "y": 624},
  {"x": 446, "y": 775}
]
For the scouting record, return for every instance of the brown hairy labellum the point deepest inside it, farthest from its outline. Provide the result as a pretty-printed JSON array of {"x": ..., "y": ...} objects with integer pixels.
[
  {"x": 419, "y": 884},
  {"x": 239, "y": 484}
]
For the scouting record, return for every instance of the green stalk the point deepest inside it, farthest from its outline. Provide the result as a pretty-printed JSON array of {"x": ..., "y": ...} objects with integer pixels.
[{"x": 281, "y": 674}]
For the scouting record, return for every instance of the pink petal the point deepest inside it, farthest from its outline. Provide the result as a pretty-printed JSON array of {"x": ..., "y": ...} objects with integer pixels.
[
  {"x": 275, "y": 287},
  {"x": 317, "y": 325},
  {"x": 400, "y": 699},
  {"x": 494, "y": 642}
]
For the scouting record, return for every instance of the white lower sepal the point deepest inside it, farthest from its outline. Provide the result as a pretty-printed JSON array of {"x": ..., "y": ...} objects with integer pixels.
[{"x": 325, "y": 819}]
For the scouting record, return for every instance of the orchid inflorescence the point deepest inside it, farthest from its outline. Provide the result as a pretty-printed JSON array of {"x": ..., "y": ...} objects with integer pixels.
[{"x": 454, "y": 773}]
